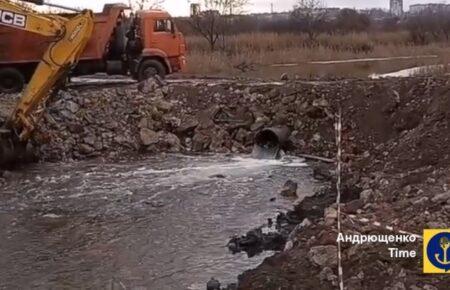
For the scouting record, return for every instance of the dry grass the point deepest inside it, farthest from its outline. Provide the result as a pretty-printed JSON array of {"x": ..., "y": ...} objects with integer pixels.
[{"x": 264, "y": 49}]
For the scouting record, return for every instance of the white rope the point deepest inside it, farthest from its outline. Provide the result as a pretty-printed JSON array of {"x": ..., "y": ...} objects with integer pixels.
[{"x": 338, "y": 130}]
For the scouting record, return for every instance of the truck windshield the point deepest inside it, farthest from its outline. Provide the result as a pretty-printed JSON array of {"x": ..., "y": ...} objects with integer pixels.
[{"x": 163, "y": 25}]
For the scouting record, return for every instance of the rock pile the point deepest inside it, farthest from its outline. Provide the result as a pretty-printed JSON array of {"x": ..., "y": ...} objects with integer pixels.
[
  {"x": 156, "y": 117},
  {"x": 106, "y": 122}
]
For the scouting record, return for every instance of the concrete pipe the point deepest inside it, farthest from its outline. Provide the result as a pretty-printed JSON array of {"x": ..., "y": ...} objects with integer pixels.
[{"x": 269, "y": 142}]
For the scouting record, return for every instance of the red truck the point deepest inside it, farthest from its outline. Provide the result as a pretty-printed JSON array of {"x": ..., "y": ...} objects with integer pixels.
[{"x": 139, "y": 45}]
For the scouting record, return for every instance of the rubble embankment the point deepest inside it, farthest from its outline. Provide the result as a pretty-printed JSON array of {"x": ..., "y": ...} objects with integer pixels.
[
  {"x": 396, "y": 180},
  {"x": 396, "y": 155},
  {"x": 124, "y": 120}
]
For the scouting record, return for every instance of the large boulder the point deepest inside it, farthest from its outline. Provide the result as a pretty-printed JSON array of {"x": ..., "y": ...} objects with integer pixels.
[
  {"x": 200, "y": 142},
  {"x": 323, "y": 255},
  {"x": 169, "y": 142},
  {"x": 148, "y": 137},
  {"x": 187, "y": 125},
  {"x": 443, "y": 197},
  {"x": 367, "y": 195},
  {"x": 163, "y": 106},
  {"x": 150, "y": 85}
]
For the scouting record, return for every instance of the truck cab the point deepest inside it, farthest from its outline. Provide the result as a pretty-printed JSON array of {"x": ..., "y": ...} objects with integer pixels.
[{"x": 163, "y": 46}]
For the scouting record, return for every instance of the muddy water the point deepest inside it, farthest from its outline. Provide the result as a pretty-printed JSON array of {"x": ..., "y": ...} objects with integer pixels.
[{"x": 158, "y": 223}]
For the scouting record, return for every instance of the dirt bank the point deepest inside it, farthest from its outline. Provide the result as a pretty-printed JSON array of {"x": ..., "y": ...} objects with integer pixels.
[
  {"x": 396, "y": 155},
  {"x": 396, "y": 151}
]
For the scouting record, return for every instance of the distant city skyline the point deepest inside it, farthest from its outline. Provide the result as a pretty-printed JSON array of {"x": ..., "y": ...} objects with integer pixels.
[{"x": 181, "y": 7}]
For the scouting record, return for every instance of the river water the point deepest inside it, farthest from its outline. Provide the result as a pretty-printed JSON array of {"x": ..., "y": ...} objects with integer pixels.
[{"x": 158, "y": 223}]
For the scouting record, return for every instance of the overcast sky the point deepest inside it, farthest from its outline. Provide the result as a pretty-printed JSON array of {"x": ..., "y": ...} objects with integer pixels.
[{"x": 181, "y": 7}]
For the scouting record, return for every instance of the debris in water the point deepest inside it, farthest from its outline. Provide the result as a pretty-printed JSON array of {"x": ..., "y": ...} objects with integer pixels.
[
  {"x": 213, "y": 284},
  {"x": 289, "y": 189},
  {"x": 220, "y": 176}
]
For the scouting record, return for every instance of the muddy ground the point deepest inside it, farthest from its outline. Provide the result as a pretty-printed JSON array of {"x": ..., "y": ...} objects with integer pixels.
[{"x": 395, "y": 149}]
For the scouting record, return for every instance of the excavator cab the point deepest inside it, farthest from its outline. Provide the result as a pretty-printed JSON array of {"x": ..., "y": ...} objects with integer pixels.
[{"x": 69, "y": 37}]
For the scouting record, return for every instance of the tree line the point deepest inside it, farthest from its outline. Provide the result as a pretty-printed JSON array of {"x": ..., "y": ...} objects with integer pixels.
[{"x": 310, "y": 17}]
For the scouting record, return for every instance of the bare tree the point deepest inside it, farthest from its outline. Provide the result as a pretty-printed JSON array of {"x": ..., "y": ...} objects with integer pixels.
[
  {"x": 429, "y": 26},
  {"x": 212, "y": 22},
  {"x": 209, "y": 24},
  {"x": 310, "y": 17},
  {"x": 442, "y": 24},
  {"x": 417, "y": 27},
  {"x": 145, "y": 4},
  {"x": 350, "y": 20}
]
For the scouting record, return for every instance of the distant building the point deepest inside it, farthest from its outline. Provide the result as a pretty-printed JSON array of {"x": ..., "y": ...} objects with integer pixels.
[
  {"x": 430, "y": 7},
  {"x": 376, "y": 14},
  {"x": 195, "y": 9},
  {"x": 268, "y": 16},
  {"x": 396, "y": 7},
  {"x": 328, "y": 13},
  {"x": 332, "y": 13}
]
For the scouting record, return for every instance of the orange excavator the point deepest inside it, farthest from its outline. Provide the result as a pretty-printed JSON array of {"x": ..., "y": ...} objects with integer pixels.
[{"x": 69, "y": 37}]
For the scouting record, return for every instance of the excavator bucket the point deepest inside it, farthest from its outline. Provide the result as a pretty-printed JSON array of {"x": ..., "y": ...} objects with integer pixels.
[
  {"x": 12, "y": 150},
  {"x": 8, "y": 155}
]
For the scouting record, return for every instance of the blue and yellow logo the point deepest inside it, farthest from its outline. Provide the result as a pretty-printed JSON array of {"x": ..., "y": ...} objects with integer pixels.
[{"x": 436, "y": 251}]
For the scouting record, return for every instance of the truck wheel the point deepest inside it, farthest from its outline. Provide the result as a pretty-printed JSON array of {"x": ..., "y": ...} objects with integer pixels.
[
  {"x": 150, "y": 68},
  {"x": 11, "y": 80}
]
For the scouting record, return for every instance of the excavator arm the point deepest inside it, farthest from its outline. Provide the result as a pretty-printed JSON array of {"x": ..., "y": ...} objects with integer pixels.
[
  {"x": 68, "y": 39},
  {"x": 19, "y": 17}
]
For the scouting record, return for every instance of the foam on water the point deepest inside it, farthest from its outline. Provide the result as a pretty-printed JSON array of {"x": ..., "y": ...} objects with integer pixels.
[
  {"x": 229, "y": 168},
  {"x": 407, "y": 72},
  {"x": 231, "y": 164}
]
